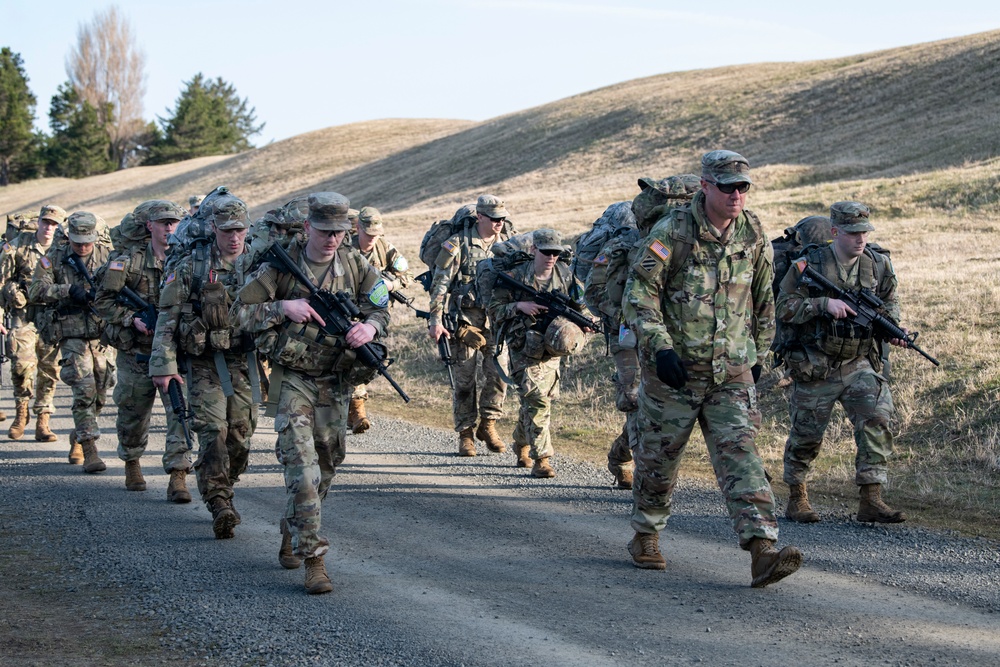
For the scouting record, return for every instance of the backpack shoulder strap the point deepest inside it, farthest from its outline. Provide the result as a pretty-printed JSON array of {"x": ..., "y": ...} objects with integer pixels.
[{"x": 684, "y": 238}]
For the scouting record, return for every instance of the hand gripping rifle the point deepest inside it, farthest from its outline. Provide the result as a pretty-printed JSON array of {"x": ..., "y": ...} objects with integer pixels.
[
  {"x": 76, "y": 262},
  {"x": 867, "y": 306},
  {"x": 556, "y": 303},
  {"x": 444, "y": 344},
  {"x": 337, "y": 311},
  {"x": 145, "y": 311}
]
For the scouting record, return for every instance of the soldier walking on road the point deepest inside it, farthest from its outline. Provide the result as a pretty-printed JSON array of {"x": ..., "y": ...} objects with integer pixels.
[
  {"x": 832, "y": 359},
  {"x": 71, "y": 322},
  {"x": 311, "y": 373},
  {"x": 700, "y": 302},
  {"x": 455, "y": 281}
]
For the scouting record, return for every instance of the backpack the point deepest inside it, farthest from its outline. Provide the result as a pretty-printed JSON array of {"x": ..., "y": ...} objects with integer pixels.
[
  {"x": 442, "y": 230},
  {"x": 617, "y": 216},
  {"x": 813, "y": 230},
  {"x": 128, "y": 236},
  {"x": 281, "y": 225},
  {"x": 512, "y": 252}
]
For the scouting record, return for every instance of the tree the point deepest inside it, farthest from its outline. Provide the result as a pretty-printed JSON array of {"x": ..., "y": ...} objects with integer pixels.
[
  {"x": 79, "y": 145},
  {"x": 209, "y": 119},
  {"x": 107, "y": 70},
  {"x": 17, "y": 113}
]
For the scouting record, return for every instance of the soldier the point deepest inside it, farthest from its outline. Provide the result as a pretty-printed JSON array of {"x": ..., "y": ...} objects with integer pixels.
[
  {"x": 370, "y": 241},
  {"x": 140, "y": 269},
  {"x": 194, "y": 326},
  {"x": 537, "y": 345},
  {"x": 29, "y": 353},
  {"x": 71, "y": 322},
  {"x": 699, "y": 300},
  {"x": 310, "y": 379},
  {"x": 832, "y": 359},
  {"x": 455, "y": 279},
  {"x": 194, "y": 203}
]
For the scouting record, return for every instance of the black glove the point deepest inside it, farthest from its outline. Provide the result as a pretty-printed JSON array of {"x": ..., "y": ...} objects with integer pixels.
[
  {"x": 670, "y": 369},
  {"x": 78, "y": 294},
  {"x": 755, "y": 371}
]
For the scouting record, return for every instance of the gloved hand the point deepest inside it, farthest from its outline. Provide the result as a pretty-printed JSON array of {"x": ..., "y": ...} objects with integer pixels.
[
  {"x": 755, "y": 371},
  {"x": 78, "y": 294},
  {"x": 670, "y": 369}
]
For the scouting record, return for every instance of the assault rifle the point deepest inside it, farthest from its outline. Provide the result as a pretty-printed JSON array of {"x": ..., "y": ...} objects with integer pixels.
[
  {"x": 181, "y": 410},
  {"x": 867, "y": 306},
  {"x": 443, "y": 342},
  {"x": 337, "y": 311},
  {"x": 145, "y": 311},
  {"x": 76, "y": 262},
  {"x": 556, "y": 303},
  {"x": 8, "y": 324}
]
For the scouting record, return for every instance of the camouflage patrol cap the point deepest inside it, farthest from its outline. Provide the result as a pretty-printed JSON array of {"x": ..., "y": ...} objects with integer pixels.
[
  {"x": 547, "y": 239},
  {"x": 229, "y": 212},
  {"x": 296, "y": 210},
  {"x": 724, "y": 167},
  {"x": 681, "y": 186},
  {"x": 157, "y": 209},
  {"x": 328, "y": 212},
  {"x": 370, "y": 220},
  {"x": 194, "y": 200},
  {"x": 491, "y": 206},
  {"x": 851, "y": 216},
  {"x": 53, "y": 213},
  {"x": 83, "y": 227}
]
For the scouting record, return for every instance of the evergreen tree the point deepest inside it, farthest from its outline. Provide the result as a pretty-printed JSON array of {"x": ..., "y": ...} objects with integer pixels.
[
  {"x": 209, "y": 119},
  {"x": 79, "y": 145},
  {"x": 17, "y": 114}
]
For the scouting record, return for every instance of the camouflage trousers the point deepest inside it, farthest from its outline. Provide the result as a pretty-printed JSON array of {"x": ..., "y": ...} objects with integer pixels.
[
  {"x": 728, "y": 417},
  {"x": 626, "y": 379},
  {"x": 223, "y": 424},
  {"x": 479, "y": 391},
  {"x": 537, "y": 386},
  {"x": 867, "y": 401},
  {"x": 31, "y": 355},
  {"x": 89, "y": 373},
  {"x": 134, "y": 395},
  {"x": 312, "y": 428}
]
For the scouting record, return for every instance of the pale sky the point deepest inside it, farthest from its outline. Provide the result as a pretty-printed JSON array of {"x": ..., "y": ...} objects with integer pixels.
[{"x": 310, "y": 64}]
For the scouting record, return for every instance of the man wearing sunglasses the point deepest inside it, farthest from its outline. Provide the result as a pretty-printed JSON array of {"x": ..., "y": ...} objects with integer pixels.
[{"x": 700, "y": 302}]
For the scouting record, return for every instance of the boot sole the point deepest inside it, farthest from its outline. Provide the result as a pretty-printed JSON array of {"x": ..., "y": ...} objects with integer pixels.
[
  {"x": 878, "y": 519},
  {"x": 799, "y": 519},
  {"x": 785, "y": 566},
  {"x": 319, "y": 589},
  {"x": 95, "y": 469},
  {"x": 135, "y": 487},
  {"x": 223, "y": 525},
  {"x": 361, "y": 427},
  {"x": 179, "y": 498}
]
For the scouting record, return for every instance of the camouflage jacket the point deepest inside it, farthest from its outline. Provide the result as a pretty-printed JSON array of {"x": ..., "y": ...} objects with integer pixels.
[
  {"x": 455, "y": 275},
  {"x": 51, "y": 285},
  {"x": 141, "y": 271},
  {"x": 384, "y": 257},
  {"x": 718, "y": 311},
  {"x": 18, "y": 260}
]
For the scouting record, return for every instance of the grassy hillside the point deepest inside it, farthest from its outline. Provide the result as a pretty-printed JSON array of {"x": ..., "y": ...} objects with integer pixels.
[{"x": 913, "y": 132}]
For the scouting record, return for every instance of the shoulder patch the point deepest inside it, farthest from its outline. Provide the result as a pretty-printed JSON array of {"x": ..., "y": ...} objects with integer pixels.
[
  {"x": 660, "y": 250},
  {"x": 648, "y": 263},
  {"x": 6, "y": 248},
  {"x": 45, "y": 262},
  {"x": 379, "y": 295},
  {"x": 116, "y": 265},
  {"x": 400, "y": 264},
  {"x": 170, "y": 278},
  {"x": 450, "y": 247},
  {"x": 601, "y": 260}
]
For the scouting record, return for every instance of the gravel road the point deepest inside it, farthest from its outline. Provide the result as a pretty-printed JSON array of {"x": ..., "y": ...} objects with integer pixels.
[{"x": 438, "y": 560}]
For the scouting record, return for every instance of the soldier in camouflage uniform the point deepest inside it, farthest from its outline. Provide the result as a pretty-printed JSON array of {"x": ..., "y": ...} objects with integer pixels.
[
  {"x": 699, "y": 299},
  {"x": 455, "y": 280},
  {"x": 537, "y": 345},
  {"x": 194, "y": 323},
  {"x": 312, "y": 374},
  {"x": 832, "y": 359},
  {"x": 140, "y": 268},
  {"x": 29, "y": 353},
  {"x": 370, "y": 241},
  {"x": 194, "y": 203},
  {"x": 71, "y": 321}
]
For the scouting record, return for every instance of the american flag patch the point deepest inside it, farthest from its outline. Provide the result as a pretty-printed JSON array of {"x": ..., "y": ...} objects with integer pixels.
[
  {"x": 660, "y": 250},
  {"x": 45, "y": 262},
  {"x": 116, "y": 265},
  {"x": 450, "y": 247},
  {"x": 601, "y": 260},
  {"x": 169, "y": 279}
]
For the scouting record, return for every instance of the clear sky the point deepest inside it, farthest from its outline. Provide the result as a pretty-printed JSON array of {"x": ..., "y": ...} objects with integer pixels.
[{"x": 310, "y": 64}]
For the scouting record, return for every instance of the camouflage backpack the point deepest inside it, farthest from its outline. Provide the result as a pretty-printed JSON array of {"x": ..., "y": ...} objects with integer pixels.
[
  {"x": 441, "y": 231},
  {"x": 616, "y": 217},
  {"x": 813, "y": 230},
  {"x": 281, "y": 225},
  {"x": 515, "y": 250}
]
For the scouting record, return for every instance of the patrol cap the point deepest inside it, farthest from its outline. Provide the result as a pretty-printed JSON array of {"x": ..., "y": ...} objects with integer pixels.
[
  {"x": 229, "y": 212},
  {"x": 724, "y": 167},
  {"x": 296, "y": 210},
  {"x": 53, "y": 213},
  {"x": 194, "y": 200},
  {"x": 370, "y": 220},
  {"x": 82, "y": 227},
  {"x": 851, "y": 216},
  {"x": 157, "y": 209},
  {"x": 547, "y": 239},
  {"x": 328, "y": 212},
  {"x": 491, "y": 206},
  {"x": 681, "y": 186}
]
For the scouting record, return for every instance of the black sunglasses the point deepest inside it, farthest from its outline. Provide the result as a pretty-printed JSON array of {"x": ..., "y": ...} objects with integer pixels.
[
  {"x": 550, "y": 253},
  {"x": 730, "y": 188},
  {"x": 495, "y": 220}
]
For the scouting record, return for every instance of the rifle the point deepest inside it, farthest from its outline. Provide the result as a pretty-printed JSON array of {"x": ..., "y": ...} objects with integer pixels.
[
  {"x": 76, "y": 262},
  {"x": 867, "y": 306},
  {"x": 181, "y": 410},
  {"x": 443, "y": 342},
  {"x": 425, "y": 279},
  {"x": 337, "y": 311},
  {"x": 145, "y": 311},
  {"x": 4, "y": 352},
  {"x": 556, "y": 303}
]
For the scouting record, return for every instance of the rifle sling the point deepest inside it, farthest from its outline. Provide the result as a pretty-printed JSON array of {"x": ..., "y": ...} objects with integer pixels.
[
  {"x": 274, "y": 390},
  {"x": 225, "y": 379}
]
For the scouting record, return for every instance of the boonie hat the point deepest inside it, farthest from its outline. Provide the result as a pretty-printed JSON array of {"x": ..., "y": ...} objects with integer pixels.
[
  {"x": 851, "y": 216},
  {"x": 83, "y": 227},
  {"x": 53, "y": 213},
  {"x": 725, "y": 167},
  {"x": 370, "y": 220},
  {"x": 491, "y": 206},
  {"x": 328, "y": 212},
  {"x": 547, "y": 239}
]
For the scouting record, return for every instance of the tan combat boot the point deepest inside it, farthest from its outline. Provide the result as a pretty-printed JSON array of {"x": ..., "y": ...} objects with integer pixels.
[
  {"x": 357, "y": 419},
  {"x": 177, "y": 491},
  {"x": 487, "y": 432},
  {"x": 523, "y": 459},
  {"x": 799, "y": 509},
  {"x": 75, "y": 450},
  {"x": 542, "y": 468},
  {"x": 623, "y": 477},
  {"x": 317, "y": 581},
  {"x": 286, "y": 556},
  {"x": 20, "y": 422},
  {"x": 770, "y": 565},
  {"x": 645, "y": 551},
  {"x": 91, "y": 459},
  {"x": 872, "y": 509},
  {"x": 134, "y": 481},
  {"x": 466, "y": 445},
  {"x": 42, "y": 431},
  {"x": 223, "y": 518},
  {"x": 3, "y": 416}
]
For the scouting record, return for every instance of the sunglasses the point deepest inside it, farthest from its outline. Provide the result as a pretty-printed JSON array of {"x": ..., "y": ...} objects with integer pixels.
[
  {"x": 496, "y": 220},
  {"x": 730, "y": 188},
  {"x": 551, "y": 253}
]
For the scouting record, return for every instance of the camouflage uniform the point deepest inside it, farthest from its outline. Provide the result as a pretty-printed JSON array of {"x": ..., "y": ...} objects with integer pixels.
[
  {"x": 310, "y": 385},
  {"x": 455, "y": 276},
  {"x": 76, "y": 327},
  {"x": 194, "y": 323}
]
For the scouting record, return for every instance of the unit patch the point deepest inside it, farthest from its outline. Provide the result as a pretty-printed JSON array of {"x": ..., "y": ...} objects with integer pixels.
[{"x": 379, "y": 296}]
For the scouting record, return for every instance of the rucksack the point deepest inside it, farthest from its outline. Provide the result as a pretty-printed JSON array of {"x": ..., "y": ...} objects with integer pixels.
[
  {"x": 512, "y": 252},
  {"x": 442, "y": 230},
  {"x": 813, "y": 230},
  {"x": 615, "y": 217}
]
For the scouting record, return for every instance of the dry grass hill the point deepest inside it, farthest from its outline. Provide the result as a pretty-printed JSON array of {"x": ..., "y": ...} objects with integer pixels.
[{"x": 914, "y": 132}]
